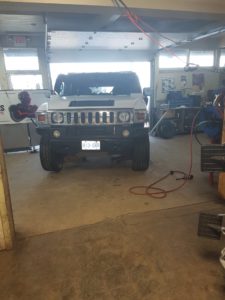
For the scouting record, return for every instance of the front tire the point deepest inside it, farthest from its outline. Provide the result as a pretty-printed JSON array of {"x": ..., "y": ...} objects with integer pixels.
[
  {"x": 141, "y": 154},
  {"x": 50, "y": 160}
]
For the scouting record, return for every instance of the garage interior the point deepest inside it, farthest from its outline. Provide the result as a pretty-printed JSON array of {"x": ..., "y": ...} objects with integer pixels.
[{"x": 81, "y": 233}]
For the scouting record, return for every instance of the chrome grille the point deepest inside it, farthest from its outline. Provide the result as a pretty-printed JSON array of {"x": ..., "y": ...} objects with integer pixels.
[
  {"x": 69, "y": 118},
  {"x": 89, "y": 117}
]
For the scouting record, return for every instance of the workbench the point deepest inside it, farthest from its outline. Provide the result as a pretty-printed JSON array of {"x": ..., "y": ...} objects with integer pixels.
[{"x": 179, "y": 120}]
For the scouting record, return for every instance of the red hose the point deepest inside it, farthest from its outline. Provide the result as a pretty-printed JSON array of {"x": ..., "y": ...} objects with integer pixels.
[{"x": 154, "y": 191}]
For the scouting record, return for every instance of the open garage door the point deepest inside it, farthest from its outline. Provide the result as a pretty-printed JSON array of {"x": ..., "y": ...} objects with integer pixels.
[{"x": 142, "y": 69}]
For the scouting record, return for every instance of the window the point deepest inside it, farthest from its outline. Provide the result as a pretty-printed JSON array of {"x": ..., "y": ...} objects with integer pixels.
[
  {"x": 222, "y": 58},
  {"x": 22, "y": 67},
  {"x": 30, "y": 82},
  {"x": 202, "y": 58},
  {"x": 142, "y": 69},
  {"x": 170, "y": 61},
  {"x": 21, "y": 59},
  {"x": 98, "y": 83}
]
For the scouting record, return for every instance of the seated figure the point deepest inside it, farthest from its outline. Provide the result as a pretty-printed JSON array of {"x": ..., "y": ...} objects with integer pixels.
[{"x": 24, "y": 109}]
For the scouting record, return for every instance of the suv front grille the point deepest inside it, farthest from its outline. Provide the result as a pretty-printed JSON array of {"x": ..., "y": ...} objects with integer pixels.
[
  {"x": 94, "y": 117},
  {"x": 90, "y": 118}
]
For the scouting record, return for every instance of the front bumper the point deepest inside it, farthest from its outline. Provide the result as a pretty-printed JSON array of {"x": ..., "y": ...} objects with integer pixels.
[{"x": 110, "y": 136}]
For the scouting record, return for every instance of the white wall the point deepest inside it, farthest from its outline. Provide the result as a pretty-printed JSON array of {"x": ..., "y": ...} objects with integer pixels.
[{"x": 212, "y": 81}]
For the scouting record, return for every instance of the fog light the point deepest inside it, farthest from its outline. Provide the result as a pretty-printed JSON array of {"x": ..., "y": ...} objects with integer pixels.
[
  {"x": 126, "y": 133},
  {"x": 56, "y": 134}
]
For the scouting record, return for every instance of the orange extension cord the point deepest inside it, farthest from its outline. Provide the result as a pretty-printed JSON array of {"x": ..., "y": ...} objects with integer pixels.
[{"x": 154, "y": 191}]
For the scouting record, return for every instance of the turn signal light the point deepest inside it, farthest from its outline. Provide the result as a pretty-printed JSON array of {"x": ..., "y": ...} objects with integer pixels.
[
  {"x": 140, "y": 115},
  {"x": 41, "y": 118}
]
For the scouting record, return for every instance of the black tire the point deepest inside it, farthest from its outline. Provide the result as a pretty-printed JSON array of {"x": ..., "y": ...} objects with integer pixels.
[
  {"x": 167, "y": 129},
  {"x": 141, "y": 154},
  {"x": 50, "y": 160}
]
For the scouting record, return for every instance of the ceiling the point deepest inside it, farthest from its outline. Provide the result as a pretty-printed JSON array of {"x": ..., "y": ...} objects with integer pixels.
[{"x": 110, "y": 30}]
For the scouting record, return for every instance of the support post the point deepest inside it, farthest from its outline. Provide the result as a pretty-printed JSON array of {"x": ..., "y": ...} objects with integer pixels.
[
  {"x": 3, "y": 74},
  {"x": 7, "y": 231}
]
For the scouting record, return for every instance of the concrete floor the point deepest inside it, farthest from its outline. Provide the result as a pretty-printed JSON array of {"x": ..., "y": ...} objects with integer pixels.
[
  {"x": 81, "y": 235},
  {"x": 92, "y": 191}
]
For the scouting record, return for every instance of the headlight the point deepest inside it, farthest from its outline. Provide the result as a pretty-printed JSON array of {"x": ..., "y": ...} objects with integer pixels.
[
  {"x": 140, "y": 116},
  {"x": 57, "y": 117},
  {"x": 124, "y": 116}
]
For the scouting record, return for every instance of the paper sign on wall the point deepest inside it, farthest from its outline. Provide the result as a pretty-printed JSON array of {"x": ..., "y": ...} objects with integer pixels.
[{"x": 168, "y": 84}]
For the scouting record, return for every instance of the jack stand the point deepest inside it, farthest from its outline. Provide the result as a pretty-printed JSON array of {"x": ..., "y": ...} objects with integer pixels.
[{"x": 210, "y": 226}]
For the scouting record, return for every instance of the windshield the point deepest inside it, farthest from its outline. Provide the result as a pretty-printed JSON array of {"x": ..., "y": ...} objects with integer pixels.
[{"x": 98, "y": 84}]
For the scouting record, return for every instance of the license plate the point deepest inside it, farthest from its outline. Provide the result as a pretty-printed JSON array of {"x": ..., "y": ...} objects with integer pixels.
[{"x": 90, "y": 145}]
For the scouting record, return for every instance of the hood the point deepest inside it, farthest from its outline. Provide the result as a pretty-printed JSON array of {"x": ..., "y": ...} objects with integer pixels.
[{"x": 107, "y": 102}]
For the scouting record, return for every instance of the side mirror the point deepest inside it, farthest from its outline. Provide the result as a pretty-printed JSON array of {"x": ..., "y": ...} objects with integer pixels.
[
  {"x": 146, "y": 100},
  {"x": 52, "y": 93},
  {"x": 147, "y": 92}
]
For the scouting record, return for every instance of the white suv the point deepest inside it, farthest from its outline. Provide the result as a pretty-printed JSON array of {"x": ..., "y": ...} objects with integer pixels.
[{"x": 94, "y": 112}]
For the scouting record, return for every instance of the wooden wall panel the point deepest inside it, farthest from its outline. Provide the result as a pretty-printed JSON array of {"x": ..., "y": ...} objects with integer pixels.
[{"x": 6, "y": 216}]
